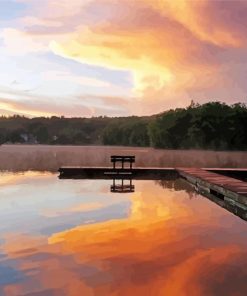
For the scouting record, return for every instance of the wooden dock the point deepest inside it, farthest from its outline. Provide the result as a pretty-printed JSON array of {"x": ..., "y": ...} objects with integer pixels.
[
  {"x": 213, "y": 181},
  {"x": 224, "y": 186},
  {"x": 229, "y": 192},
  {"x": 141, "y": 173}
]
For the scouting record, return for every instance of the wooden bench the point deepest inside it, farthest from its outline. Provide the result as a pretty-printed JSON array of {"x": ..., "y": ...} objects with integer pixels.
[{"x": 123, "y": 159}]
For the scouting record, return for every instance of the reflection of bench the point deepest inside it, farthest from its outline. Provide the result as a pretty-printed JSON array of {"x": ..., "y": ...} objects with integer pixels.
[
  {"x": 122, "y": 188},
  {"x": 122, "y": 159}
]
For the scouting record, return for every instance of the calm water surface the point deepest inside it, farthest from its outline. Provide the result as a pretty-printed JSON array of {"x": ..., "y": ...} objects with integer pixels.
[{"x": 74, "y": 237}]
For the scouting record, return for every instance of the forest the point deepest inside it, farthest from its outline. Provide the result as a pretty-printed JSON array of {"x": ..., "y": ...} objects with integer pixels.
[{"x": 214, "y": 125}]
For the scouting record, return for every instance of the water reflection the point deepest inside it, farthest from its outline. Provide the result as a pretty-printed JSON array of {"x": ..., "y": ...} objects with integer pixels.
[
  {"x": 122, "y": 187},
  {"x": 178, "y": 184},
  {"x": 154, "y": 241}
]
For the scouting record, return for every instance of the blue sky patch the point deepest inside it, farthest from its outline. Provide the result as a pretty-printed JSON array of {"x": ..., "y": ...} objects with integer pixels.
[{"x": 11, "y": 9}]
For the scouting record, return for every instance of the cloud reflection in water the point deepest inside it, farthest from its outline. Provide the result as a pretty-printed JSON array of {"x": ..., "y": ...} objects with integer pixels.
[{"x": 160, "y": 241}]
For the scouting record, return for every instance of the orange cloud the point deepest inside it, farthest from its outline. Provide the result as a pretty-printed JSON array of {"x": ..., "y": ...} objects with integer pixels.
[
  {"x": 175, "y": 51},
  {"x": 9, "y": 107},
  {"x": 194, "y": 15},
  {"x": 172, "y": 48}
]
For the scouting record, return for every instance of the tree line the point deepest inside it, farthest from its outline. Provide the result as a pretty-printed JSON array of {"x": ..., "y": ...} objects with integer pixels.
[{"x": 213, "y": 125}]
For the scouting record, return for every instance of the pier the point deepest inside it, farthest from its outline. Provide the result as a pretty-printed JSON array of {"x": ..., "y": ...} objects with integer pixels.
[
  {"x": 228, "y": 192},
  {"x": 118, "y": 171},
  {"x": 225, "y": 186},
  {"x": 141, "y": 173}
]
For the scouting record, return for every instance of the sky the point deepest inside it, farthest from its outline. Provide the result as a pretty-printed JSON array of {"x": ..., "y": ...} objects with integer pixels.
[{"x": 118, "y": 58}]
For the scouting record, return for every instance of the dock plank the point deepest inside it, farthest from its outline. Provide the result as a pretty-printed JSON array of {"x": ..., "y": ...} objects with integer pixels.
[{"x": 212, "y": 179}]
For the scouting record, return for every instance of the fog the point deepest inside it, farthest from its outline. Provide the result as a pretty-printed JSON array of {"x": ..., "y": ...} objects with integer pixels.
[{"x": 50, "y": 158}]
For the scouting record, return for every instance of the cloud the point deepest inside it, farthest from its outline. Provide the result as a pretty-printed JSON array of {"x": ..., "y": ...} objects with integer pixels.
[
  {"x": 168, "y": 46},
  {"x": 214, "y": 22},
  {"x": 17, "y": 42},
  {"x": 67, "y": 76},
  {"x": 31, "y": 21},
  {"x": 41, "y": 106},
  {"x": 29, "y": 104},
  {"x": 175, "y": 51},
  {"x": 10, "y": 108}
]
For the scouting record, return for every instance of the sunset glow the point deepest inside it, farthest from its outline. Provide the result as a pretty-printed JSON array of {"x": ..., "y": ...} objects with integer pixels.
[{"x": 89, "y": 58}]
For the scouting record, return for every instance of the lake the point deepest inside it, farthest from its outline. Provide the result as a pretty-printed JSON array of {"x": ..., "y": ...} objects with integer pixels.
[{"x": 75, "y": 237}]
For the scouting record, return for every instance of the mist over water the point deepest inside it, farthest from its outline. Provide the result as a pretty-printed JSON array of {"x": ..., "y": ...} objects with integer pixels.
[{"x": 50, "y": 158}]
